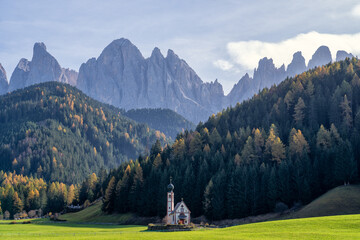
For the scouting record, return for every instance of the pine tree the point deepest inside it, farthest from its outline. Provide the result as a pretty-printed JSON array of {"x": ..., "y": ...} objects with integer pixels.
[
  {"x": 208, "y": 200},
  {"x": 109, "y": 198},
  {"x": 248, "y": 153},
  {"x": 346, "y": 113},
  {"x": 136, "y": 189},
  {"x": 299, "y": 112}
]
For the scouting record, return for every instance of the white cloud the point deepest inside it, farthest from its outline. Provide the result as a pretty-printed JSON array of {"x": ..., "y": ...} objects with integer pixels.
[
  {"x": 223, "y": 65},
  {"x": 248, "y": 53},
  {"x": 356, "y": 11}
]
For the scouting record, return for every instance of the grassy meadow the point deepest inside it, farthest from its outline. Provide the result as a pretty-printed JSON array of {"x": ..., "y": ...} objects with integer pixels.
[
  {"x": 334, "y": 227},
  {"x": 93, "y": 214}
]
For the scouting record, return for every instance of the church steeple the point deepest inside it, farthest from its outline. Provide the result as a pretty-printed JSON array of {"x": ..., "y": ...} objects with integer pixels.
[
  {"x": 170, "y": 187},
  {"x": 170, "y": 202}
]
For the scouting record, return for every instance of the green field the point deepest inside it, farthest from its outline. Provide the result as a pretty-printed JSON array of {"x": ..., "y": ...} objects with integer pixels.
[
  {"x": 93, "y": 214},
  {"x": 334, "y": 227}
]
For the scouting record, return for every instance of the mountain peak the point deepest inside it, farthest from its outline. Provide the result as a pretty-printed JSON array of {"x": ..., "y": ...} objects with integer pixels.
[
  {"x": 321, "y": 57},
  {"x": 121, "y": 42},
  {"x": 341, "y": 55},
  {"x": 156, "y": 53},
  {"x": 265, "y": 64},
  {"x": 297, "y": 64},
  {"x": 171, "y": 54},
  {"x": 39, "y": 50},
  {"x": 43, "y": 67},
  {"x": 23, "y": 65},
  {"x": 120, "y": 48},
  {"x": 39, "y": 45}
]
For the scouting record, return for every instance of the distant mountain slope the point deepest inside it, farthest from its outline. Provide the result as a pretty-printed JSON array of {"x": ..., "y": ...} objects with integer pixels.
[
  {"x": 267, "y": 74},
  {"x": 54, "y": 131},
  {"x": 3, "y": 80},
  {"x": 164, "y": 120},
  {"x": 43, "y": 67},
  {"x": 121, "y": 76}
]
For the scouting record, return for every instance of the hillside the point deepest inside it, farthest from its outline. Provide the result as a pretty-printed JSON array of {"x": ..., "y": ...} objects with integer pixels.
[
  {"x": 93, "y": 214},
  {"x": 56, "y": 132},
  {"x": 287, "y": 145},
  {"x": 164, "y": 120},
  {"x": 338, "y": 201}
]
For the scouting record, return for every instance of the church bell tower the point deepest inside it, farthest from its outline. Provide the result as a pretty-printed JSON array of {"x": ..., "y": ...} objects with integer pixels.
[{"x": 170, "y": 202}]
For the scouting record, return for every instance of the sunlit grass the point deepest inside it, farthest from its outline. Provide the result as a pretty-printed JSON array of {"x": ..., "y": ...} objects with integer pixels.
[{"x": 334, "y": 227}]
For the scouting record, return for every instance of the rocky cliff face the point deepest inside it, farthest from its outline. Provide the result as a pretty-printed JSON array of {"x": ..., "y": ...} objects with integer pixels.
[
  {"x": 242, "y": 90},
  {"x": 321, "y": 57},
  {"x": 341, "y": 55},
  {"x": 265, "y": 75},
  {"x": 297, "y": 65},
  {"x": 3, "y": 80},
  {"x": 121, "y": 76},
  {"x": 43, "y": 67}
]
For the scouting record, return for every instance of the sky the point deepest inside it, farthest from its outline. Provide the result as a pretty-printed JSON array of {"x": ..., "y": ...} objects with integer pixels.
[{"x": 219, "y": 39}]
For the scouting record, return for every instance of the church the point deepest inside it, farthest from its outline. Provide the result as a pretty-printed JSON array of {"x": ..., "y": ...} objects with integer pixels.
[{"x": 180, "y": 214}]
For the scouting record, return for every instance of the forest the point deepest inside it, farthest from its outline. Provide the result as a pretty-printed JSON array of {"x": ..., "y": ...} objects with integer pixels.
[
  {"x": 22, "y": 196},
  {"x": 282, "y": 148},
  {"x": 165, "y": 120},
  {"x": 55, "y": 132}
]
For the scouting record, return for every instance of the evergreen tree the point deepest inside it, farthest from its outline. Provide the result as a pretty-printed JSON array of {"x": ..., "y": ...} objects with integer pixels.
[
  {"x": 108, "y": 202},
  {"x": 299, "y": 112}
]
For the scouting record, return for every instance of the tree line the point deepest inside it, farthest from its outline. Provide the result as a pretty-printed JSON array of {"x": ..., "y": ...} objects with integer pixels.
[{"x": 22, "y": 196}]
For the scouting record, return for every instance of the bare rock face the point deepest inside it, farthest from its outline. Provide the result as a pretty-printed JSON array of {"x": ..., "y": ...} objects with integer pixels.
[
  {"x": 297, "y": 65},
  {"x": 121, "y": 76},
  {"x": 20, "y": 75},
  {"x": 342, "y": 55},
  {"x": 43, "y": 67},
  {"x": 322, "y": 56},
  {"x": 3, "y": 81},
  {"x": 69, "y": 76},
  {"x": 267, "y": 74},
  {"x": 241, "y": 91}
]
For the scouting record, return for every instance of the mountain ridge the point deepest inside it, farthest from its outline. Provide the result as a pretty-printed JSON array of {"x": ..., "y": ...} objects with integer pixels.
[{"x": 123, "y": 77}]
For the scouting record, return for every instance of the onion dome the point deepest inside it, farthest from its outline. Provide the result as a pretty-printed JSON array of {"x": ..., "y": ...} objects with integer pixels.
[{"x": 170, "y": 187}]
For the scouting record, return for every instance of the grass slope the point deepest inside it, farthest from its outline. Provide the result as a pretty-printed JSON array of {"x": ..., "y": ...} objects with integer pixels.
[
  {"x": 338, "y": 201},
  {"x": 334, "y": 227},
  {"x": 93, "y": 214}
]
